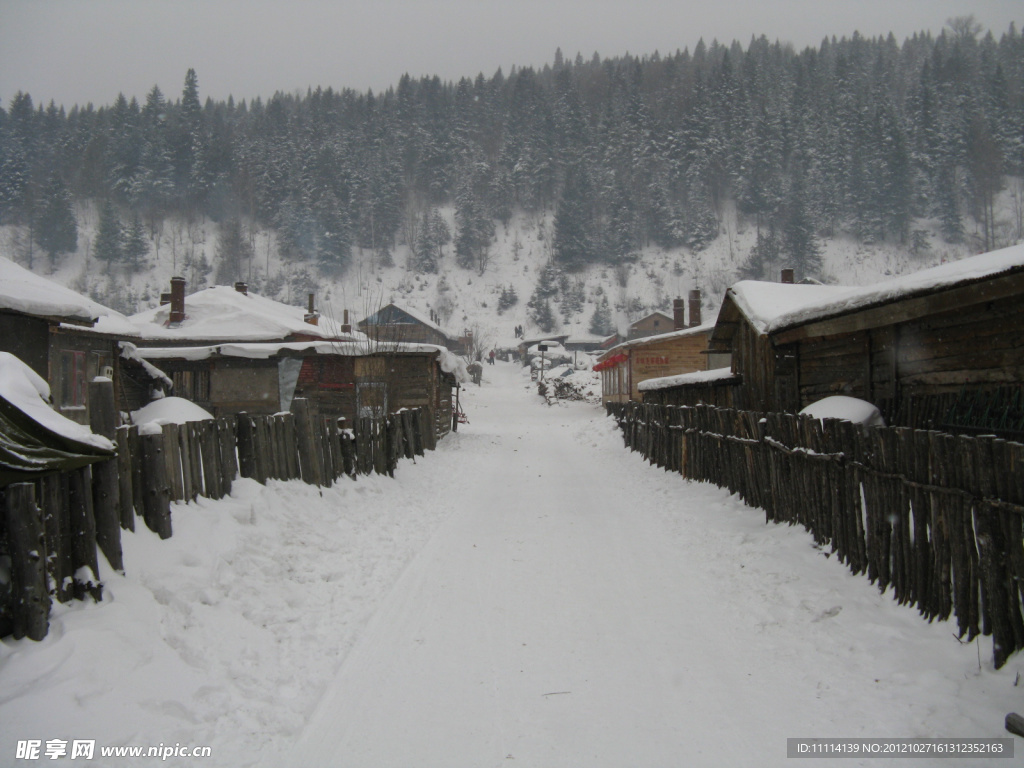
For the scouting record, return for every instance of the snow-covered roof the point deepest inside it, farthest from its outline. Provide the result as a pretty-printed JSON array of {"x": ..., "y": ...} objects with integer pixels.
[
  {"x": 656, "y": 313},
  {"x": 27, "y": 391},
  {"x": 660, "y": 337},
  {"x": 695, "y": 377},
  {"x": 221, "y": 313},
  {"x": 763, "y": 303},
  {"x": 24, "y": 291},
  {"x": 449, "y": 362},
  {"x": 415, "y": 315},
  {"x": 773, "y": 307}
]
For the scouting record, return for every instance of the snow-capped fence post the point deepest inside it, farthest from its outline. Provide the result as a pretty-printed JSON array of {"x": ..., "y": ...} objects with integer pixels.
[
  {"x": 105, "y": 486},
  {"x": 30, "y": 601},
  {"x": 348, "y": 453},
  {"x": 156, "y": 493}
]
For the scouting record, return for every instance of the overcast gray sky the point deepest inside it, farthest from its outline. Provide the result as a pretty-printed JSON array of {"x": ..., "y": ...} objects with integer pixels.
[{"x": 80, "y": 51}]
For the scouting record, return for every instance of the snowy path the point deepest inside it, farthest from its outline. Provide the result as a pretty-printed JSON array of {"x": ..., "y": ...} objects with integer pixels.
[
  {"x": 581, "y": 608},
  {"x": 529, "y": 594}
]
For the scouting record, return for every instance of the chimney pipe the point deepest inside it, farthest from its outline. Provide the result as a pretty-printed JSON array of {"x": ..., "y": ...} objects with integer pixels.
[
  {"x": 678, "y": 314},
  {"x": 242, "y": 288},
  {"x": 346, "y": 327},
  {"x": 177, "y": 301},
  {"x": 312, "y": 317},
  {"x": 787, "y": 275},
  {"x": 695, "y": 318}
]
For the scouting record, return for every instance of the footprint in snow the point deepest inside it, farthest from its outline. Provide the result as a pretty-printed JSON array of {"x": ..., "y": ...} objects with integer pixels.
[{"x": 829, "y": 614}]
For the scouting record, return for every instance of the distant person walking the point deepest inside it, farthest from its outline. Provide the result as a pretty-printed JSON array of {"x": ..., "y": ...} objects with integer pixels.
[{"x": 490, "y": 358}]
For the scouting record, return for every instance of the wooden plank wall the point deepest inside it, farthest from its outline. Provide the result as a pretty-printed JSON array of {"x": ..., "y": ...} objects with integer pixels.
[{"x": 934, "y": 518}]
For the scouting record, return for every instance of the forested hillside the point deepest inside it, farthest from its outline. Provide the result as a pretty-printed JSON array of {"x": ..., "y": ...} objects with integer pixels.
[{"x": 880, "y": 140}]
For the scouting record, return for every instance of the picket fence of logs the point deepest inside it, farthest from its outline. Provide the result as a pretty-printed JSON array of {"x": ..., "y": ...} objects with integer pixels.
[
  {"x": 68, "y": 516},
  {"x": 935, "y": 517}
]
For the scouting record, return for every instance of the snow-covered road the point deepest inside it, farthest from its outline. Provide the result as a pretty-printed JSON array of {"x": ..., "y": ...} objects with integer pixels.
[
  {"x": 528, "y": 594},
  {"x": 582, "y": 608}
]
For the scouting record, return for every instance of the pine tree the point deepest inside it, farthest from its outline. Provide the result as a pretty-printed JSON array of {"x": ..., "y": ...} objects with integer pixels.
[
  {"x": 136, "y": 245},
  {"x": 574, "y": 222},
  {"x": 55, "y": 227},
  {"x": 601, "y": 321},
  {"x": 334, "y": 243},
  {"x": 108, "y": 247},
  {"x": 233, "y": 252}
]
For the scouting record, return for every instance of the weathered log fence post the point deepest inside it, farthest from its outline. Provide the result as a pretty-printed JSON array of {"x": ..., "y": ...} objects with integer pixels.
[
  {"x": 157, "y": 494},
  {"x": 106, "y": 489},
  {"x": 30, "y": 600}
]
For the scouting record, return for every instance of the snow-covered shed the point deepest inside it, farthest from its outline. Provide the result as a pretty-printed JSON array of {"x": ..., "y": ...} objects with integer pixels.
[
  {"x": 64, "y": 337},
  {"x": 393, "y": 323}
]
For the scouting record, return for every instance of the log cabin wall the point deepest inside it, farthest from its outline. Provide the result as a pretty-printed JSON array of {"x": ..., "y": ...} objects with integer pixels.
[
  {"x": 935, "y": 357},
  {"x": 666, "y": 358}
]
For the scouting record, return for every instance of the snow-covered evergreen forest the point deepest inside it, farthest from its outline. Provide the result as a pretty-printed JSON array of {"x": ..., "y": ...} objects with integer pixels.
[{"x": 878, "y": 141}]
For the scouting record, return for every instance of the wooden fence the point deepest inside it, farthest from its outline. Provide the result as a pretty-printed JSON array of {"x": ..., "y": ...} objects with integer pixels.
[
  {"x": 936, "y": 517},
  {"x": 55, "y": 525}
]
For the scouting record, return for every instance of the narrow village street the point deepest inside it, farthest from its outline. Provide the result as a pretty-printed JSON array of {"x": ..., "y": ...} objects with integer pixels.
[{"x": 579, "y": 607}]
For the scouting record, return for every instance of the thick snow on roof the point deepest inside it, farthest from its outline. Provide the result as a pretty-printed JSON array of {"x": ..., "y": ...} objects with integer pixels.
[
  {"x": 773, "y": 306},
  {"x": 29, "y": 393},
  {"x": 762, "y": 303},
  {"x": 694, "y": 377},
  {"x": 24, "y": 291},
  {"x": 221, "y": 314}
]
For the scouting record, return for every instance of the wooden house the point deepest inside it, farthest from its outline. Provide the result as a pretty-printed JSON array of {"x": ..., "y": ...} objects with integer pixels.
[
  {"x": 343, "y": 379},
  {"x": 935, "y": 349},
  {"x": 653, "y": 324},
  {"x": 397, "y": 324},
  {"x": 624, "y": 366},
  {"x": 63, "y": 336}
]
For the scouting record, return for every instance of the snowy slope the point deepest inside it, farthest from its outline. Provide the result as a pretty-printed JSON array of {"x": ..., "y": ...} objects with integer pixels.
[{"x": 529, "y": 594}]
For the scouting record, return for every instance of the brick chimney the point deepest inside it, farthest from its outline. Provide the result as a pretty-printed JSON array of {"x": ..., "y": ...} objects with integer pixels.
[
  {"x": 242, "y": 288},
  {"x": 177, "y": 301},
  {"x": 695, "y": 318},
  {"x": 312, "y": 316},
  {"x": 787, "y": 275},
  {"x": 678, "y": 314},
  {"x": 346, "y": 327}
]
